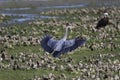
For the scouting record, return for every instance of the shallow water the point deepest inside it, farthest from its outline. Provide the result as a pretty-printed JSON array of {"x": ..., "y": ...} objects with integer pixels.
[
  {"x": 19, "y": 15},
  {"x": 30, "y": 16},
  {"x": 13, "y": 9},
  {"x": 64, "y": 6},
  {"x": 22, "y": 17},
  {"x": 25, "y": 17}
]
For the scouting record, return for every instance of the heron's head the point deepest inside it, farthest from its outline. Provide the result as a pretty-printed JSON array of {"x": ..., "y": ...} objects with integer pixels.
[
  {"x": 106, "y": 14},
  {"x": 69, "y": 26}
]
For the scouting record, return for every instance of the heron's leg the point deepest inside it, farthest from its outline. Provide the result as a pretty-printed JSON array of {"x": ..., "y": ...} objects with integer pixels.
[
  {"x": 56, "y": 53},
  {"x": 52, "y": 52}
]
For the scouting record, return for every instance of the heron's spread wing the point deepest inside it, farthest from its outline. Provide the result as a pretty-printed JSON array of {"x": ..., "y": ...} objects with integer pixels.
[
  {"x": 44, "y": 44},
  {"x": 70, "y": 45},
  {"x": 51, "y": 43}
]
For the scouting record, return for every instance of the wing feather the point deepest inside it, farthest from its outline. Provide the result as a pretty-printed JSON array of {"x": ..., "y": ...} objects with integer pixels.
[
  {"x": 71, "y": 45},
  {"x": 44, "y": 44},
  {"x": 51, "y": 43}
]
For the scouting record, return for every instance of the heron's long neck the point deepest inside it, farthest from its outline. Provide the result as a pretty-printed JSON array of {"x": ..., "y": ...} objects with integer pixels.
[{"x": 66, "y": 33}]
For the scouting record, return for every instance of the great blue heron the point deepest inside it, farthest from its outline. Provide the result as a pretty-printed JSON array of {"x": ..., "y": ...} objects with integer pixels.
[{"x": 58, "y": 47}]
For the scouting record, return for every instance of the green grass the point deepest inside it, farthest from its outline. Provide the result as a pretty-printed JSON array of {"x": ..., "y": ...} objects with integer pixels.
[
  {"x": 8, "y": 74},
  {"x": 29, "y": 74},
  {"x": 78, "y": 55},
  {"x": 20, "y": 74},
  {"x": 31, "y": 49}
]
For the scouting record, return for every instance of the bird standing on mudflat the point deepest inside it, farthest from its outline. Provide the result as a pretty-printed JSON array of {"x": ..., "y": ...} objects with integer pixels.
[{"x": 62, "y": 46}]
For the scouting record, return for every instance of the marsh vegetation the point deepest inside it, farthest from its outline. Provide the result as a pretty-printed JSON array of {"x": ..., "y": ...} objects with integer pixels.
[{"x": 22, "y": 58}]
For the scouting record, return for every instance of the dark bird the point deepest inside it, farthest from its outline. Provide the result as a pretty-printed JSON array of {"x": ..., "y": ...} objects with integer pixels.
[
  {"x": 103, "y": 21},
  {"x": 62, "y": 46}
]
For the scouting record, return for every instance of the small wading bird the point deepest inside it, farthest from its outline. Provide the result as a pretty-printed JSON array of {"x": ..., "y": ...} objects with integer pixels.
[{"x": 62, "y": 46}]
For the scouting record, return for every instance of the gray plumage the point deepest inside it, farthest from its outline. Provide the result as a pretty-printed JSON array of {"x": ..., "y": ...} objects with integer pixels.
[{"x": 62, "y": 46}]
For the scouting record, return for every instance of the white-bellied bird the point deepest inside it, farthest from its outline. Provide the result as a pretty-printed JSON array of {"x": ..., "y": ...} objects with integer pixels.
[
  {"x": 62, "y": 46},
  {"x": 103, "y": 21}
]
